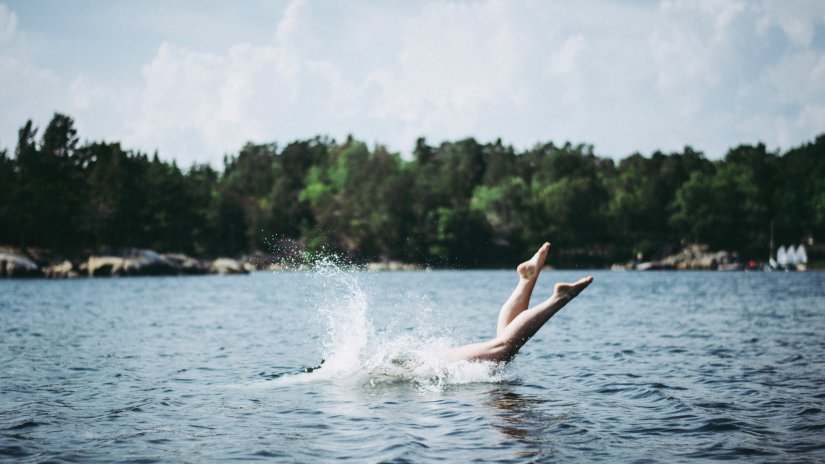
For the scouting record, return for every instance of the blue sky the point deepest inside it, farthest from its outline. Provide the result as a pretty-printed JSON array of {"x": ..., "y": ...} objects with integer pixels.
[{"x": 195, "y": 80}]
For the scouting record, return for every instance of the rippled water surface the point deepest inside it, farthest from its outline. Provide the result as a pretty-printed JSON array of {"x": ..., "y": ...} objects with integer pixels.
[{"x": 642, "y": 366}]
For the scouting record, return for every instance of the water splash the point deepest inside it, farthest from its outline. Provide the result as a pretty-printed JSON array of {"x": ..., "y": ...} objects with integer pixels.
[
  {"x": 347, "y": 323},
  {"x": 354, "y": 351}
]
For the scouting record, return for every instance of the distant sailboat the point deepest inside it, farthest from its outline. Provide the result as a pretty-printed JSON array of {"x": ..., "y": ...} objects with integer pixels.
[
  {"x": 801, "y": 255},
  {"x": 781, "y": 256},
  {"x": 772, "y": 264},
  {"x": 801, "y": 258},
  {"x": 789, "y": 259},
  {"x": 790, "y": 255}
]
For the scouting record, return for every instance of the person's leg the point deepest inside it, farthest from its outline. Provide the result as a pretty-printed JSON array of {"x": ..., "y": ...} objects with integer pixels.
[
  {"x": 521, "y": 328},
  {"x": 526, "y": 324},
  {"x": 519, "y": 300}
]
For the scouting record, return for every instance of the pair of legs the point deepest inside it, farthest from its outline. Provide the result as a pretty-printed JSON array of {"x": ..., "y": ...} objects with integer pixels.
[{"x": 517, "y": 323}]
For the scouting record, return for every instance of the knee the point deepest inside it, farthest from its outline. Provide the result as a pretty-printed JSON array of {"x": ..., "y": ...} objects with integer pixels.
[{"x": 502, "y": 350}]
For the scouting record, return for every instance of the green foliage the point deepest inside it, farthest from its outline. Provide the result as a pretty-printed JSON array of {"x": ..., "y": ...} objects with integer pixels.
[
  {"x": 571, "y": 208},
  {"x": 48, "y": 185},
  {"x": 8, "y": 212},
  {"x": 641, "y": 193},
  {"x": 460, "y": 203}
]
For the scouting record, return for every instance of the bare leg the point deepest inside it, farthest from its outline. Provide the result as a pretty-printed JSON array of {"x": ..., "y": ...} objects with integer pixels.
[
  {"x": 519, "y": 300},
  {"x": 521, "y": 328}
]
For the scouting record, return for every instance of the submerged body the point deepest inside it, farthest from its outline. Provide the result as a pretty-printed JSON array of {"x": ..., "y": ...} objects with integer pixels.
[{"x": 516, "y": 323}]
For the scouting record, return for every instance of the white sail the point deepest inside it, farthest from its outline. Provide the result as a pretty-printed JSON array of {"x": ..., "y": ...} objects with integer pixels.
[
  {"x": 781, "y": 257},
  {"x": 790, "y": 255},
  {"x": 801, "y": 255}
]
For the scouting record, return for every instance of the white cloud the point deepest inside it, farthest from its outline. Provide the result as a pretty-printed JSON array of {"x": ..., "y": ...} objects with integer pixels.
[
  {"x": 486, "y": 69},
  {"x": 27, "y": 89},
  {"x": 624, "y": 76},
  {"x": 247, "y": 93},
  {"x": 8, "y": 23},
  {"x": 454, "y": 64},
  {"x": 565, "y": 60},
  {"x": 798, "y": 20}
]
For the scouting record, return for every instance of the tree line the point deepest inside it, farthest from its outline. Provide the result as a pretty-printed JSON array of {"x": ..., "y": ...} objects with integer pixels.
[{"x": 459, "y": 203}]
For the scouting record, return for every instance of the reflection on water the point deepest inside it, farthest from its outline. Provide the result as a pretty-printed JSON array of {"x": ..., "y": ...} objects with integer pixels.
[{"x": 522, "y": 418}]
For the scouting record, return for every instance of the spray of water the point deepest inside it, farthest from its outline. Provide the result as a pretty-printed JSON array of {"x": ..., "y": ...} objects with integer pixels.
[{"x": 354, "y": 351}]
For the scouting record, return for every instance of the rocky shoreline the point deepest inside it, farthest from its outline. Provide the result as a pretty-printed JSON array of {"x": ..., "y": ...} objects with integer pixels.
[
  {"x": 696, "y": 257},
  {"x": 15, "y": 263},
  {"x": 131, "y": 262}
]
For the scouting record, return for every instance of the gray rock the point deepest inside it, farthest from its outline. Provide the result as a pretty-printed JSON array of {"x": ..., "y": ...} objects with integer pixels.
[
  {"x": 105, "y": 266},
  {"x": 186, "y": 264},
  {"x": 61, "y": 270},
  {"x": 392, "y": 266},
  {"x": 148, "y": 263},
  {"x": 13, "y": 265},
  {"x": 228, "y": 266},
  {"x": 135, "y": 262}
]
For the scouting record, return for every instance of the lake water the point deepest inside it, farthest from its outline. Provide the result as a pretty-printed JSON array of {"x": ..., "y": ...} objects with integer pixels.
[{"x": 641, "y": 367}]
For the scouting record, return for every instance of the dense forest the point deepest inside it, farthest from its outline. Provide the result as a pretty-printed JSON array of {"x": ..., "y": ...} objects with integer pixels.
[{"x": 460, "y": 204}]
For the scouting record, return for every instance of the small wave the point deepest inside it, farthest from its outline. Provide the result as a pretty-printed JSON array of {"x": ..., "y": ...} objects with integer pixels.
[
  {"x": 25, "y": 425},
  {"x": 809, "y": 427},
  {"x": 720, "y": 425},
  {"x": 717, "y": 452},
  {"x": 14, "y": 451}
]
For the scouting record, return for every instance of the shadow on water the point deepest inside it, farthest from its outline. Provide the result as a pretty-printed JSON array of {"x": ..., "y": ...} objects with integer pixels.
[{"x": 533, "y": 423}]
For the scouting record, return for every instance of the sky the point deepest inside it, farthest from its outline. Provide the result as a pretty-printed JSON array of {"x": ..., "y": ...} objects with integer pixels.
[{"x": 196, "y": 80}]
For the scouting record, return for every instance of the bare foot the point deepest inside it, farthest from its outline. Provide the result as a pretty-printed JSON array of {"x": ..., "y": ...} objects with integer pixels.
[
  {"x": 530, "y": 269},
  {"x": 563, "y": 293}
]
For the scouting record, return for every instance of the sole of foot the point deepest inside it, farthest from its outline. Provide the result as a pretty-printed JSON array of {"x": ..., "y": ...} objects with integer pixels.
[{"x": 566, "y": 292}]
